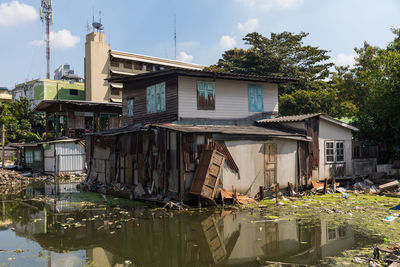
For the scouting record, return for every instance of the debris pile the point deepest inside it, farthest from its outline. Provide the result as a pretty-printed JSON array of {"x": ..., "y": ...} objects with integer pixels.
[{"x": 11, "y": 177}]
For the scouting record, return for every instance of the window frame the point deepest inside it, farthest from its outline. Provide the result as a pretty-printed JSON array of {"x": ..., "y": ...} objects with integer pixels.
[
  {"x": 211, "y": 105},
  {"x": 335, "y": 149},
  {"x": 130, "y": 100},
  {"x": 251, "y": 89},
  {"x": 156, "y": 98}
]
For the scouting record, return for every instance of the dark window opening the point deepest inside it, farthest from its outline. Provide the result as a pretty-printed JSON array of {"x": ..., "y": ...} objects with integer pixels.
[
  {"x": 115, "y": 64},
  {"x": 115, "y": 91},
  {"x": 73, "y": 92},
  {"x": 127, "y": 65}
]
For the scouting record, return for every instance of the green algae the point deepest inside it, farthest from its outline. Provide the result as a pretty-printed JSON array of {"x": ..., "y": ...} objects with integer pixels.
[{"x": 364, "y": 213}]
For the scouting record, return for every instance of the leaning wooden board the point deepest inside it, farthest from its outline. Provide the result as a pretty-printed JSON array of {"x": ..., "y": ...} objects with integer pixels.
[{"x": 207, "y": 174}]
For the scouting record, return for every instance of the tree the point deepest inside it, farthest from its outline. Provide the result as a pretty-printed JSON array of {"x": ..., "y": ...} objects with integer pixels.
[
  {"x": 22, "y": 124},
  {"x": 283, "y": 54}
]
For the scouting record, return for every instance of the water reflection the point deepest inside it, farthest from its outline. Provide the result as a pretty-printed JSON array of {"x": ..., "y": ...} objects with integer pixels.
[{"x": 67, "y": 234}]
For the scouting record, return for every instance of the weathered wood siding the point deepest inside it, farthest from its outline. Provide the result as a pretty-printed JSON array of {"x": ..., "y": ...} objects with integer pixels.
[
  {"x": 137, "y": 90},
  {"x": 231, "y": 99}
]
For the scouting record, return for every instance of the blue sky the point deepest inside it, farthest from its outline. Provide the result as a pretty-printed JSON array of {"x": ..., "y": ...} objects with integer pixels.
[{"x": 204, "y": 29}]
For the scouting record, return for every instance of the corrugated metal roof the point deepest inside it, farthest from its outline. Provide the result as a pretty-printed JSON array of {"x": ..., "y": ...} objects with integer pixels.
[
  {"x": 219, "y": 129},
  {"x": 206, "y": 74},
  {"x": 290, "y": 118},
  {"x": 298, "y": 118},
  {"x": 230, "y": 129},
  {"x": 44, "y": 104}
]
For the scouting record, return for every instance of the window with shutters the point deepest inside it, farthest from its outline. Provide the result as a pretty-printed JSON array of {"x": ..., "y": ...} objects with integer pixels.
[
  {"x": 155, "y": 98},
  {"x": 334, "y": 151},
  {"x": 205, "y": 95},
  {"x": 130, "y": 107},
  {"x": 28, "y": 157},
  {"x": 256, "y": 98}
]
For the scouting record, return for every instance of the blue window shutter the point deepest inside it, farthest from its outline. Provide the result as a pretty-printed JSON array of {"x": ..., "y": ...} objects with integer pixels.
[
  {"x": 210, "y": 91},
  {"x": 130, "y": 107},
  {"x": 256, "y": 98},
  {"x": 148, "y": 99},
  {"x": 200, "y": 88},
  {"x": 157, "y": 97},
  {"x": 151, "y": 99},
  {"x": 260, "y": 98},
  {"x": 162, "y": 96},
  {"x": 251, "y": 98}
]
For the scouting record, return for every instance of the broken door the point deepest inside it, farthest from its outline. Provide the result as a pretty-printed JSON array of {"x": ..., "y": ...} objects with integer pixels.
[
  {"x": 270, "y": 164},
  {"x": 207, "y": 174}
]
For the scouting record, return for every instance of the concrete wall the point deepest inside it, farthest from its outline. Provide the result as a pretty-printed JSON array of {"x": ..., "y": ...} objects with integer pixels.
[
  {"x": 96, "y": 67},
  {"x": 54, "y": 89},
  {"x": 249, "y": 157},
  {"x": 331, "y": 132},
  {"x": 231, "y": 99}
]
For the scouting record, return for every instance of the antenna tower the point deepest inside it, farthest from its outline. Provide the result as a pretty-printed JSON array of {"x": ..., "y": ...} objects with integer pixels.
[
  {"x": 175, "y": 33},
  {"x": 46, "y": 15},
  {"x": 97, "y": 25}
]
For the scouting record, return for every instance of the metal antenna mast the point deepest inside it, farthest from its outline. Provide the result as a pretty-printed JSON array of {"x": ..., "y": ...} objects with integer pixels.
[
  {"x": 46, "y": 15},
  {"x": 175, "y": 33}
]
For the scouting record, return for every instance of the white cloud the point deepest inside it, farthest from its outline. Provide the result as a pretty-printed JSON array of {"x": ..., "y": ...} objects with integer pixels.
[
  {"x": 183, "y": 56},
  {"x": 227, "y": 42},
  {"x": 249, "y": 26},
  {"x": 63, "y": 39},
  {"x": 267, "y": 5},
  {"x": 344, "y": 60},
  {"x": 188, "y": 44},
  {"x": 16, "y": 13}
]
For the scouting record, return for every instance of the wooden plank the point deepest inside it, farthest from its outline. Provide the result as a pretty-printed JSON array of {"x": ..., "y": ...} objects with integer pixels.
[{"x": 270, "y": 164}]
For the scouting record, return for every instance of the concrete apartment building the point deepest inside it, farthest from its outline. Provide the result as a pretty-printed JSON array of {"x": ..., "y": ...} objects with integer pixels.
[
  {"x": 102, "y": 63},
  {"x": 38, "y": 90},
  {"x": 64, "y": 72},
  {"x": 5, "y": 95}
]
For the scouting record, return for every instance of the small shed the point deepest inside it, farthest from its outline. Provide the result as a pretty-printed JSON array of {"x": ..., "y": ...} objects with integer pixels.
[{"x": 54, "y": 157}]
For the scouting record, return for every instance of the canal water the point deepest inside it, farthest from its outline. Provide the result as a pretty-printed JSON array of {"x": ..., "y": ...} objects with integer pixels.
[{"x": 44, "y": 230}]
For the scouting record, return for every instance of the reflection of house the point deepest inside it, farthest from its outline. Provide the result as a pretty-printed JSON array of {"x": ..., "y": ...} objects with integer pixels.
[
  {"x": 54, "y": 157},
  {"x": 38, "y": 90},
  {"x": 330, "y": 153},
  {"x": 287, "y": 241},
  {"x": 75, "y": 118},
  {"x": 102, "y": 63},
  {"x": 187, "y": 111}
]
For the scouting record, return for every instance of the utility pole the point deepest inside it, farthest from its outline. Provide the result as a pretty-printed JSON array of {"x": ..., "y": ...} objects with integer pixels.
[{"x": 3, "y": 140}]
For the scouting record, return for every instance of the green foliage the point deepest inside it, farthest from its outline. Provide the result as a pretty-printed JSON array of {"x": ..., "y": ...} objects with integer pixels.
[
  {"x": 306, "y": 101},
  {"x": 22, "y": 125}
]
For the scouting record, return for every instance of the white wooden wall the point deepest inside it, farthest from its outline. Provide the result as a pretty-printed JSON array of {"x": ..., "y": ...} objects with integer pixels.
[{"x": 231, "y": 99}]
